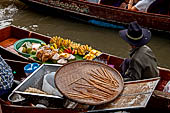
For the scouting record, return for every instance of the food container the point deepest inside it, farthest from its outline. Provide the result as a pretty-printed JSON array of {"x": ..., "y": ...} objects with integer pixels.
[
  {"x": 49, "y": 85},
  {"x": 19, "y": 43},
  {"x": 16, "y": 99},
  {"x": 30, "y": 68},
  {"x": 35, "y": 80}
]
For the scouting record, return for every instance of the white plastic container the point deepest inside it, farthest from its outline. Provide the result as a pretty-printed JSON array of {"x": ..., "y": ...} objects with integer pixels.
[{"x": 49, "y": 85}]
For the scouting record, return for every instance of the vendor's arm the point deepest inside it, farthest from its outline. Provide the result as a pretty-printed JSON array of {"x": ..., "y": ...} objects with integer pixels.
[
  {"x": 130, "y": 4},
  {"x": 134, "y": 71}
]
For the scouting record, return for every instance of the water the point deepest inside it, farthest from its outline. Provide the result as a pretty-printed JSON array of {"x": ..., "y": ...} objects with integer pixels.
[
  {"x": 6, "y": 14},
  {"x": 106, "y": 40}
]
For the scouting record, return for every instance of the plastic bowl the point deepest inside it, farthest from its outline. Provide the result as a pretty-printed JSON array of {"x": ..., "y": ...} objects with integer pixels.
[
  {"x": 30, "y": 68},
  {"x": 19, "y": 43}
]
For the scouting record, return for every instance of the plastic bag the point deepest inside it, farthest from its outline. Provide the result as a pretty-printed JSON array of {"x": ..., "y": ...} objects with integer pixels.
[
  {"x": 167, "y": 87},
  {"x": 49, "y": 85}
]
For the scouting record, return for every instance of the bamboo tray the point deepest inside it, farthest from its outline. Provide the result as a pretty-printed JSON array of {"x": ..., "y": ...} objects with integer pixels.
[{"x": 89, "y": 82}]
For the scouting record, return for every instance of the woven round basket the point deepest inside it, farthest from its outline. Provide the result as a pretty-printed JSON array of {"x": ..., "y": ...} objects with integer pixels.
[{"x": 89, "y": 82}]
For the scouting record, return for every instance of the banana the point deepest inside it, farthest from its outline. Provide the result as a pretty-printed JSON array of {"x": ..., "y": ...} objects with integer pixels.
[
  {"x": 58, "y": 43},
  {"x": 69, "y": 42},
  {"x": 78, "y": 48},
  {"x": 55, "y": 46},
  {"x": 80, "y": 51},
  {"x": 52, "y": 40},
  {"x": 75, "y": 52},
  {"x": 52, "y": 47}
]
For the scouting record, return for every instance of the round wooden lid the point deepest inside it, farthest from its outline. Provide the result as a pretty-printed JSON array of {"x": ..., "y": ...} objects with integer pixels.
[{"x": 89, "y": 82}]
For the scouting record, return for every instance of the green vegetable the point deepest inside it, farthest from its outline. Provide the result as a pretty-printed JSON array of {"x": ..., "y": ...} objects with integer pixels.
[
  {"x": 29, "y": 50},
  {"x": 24, "y": 50},
  {"x": 33, "y": 52}
]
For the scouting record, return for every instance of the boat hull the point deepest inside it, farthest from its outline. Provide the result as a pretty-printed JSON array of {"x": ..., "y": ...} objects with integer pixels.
[
  {"x": 102, "y": 15},
  {"x": 17, "y": 62}
]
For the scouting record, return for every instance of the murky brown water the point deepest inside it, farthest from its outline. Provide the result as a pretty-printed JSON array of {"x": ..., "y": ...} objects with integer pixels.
[{"x": 104, "y": 39}]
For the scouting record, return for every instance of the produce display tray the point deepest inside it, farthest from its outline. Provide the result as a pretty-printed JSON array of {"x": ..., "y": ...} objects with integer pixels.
[{"x": 89, "y": 82}]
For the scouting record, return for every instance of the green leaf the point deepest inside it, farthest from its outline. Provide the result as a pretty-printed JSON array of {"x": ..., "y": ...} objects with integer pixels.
[{"x": 78, "y": 57}]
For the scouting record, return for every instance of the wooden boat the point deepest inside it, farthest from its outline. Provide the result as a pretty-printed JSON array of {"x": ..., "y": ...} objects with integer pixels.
[
  {"x": 9, "y": 35},
  {"x": 101, "y": 14}
]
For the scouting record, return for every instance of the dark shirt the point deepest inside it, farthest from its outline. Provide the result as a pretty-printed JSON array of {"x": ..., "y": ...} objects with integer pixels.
[
  {"x": 142, "y": 65},
  {"x": 160, "y": 7}
]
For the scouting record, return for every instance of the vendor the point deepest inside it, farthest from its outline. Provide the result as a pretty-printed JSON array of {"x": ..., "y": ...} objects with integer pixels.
[
  {"x": 142, "y": 63},
  {"x": 6, "y": 77}
]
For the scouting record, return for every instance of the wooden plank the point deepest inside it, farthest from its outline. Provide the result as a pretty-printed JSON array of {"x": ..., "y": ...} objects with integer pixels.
[
  {"x": 136, "y": 94},
  {"x": 5, "y": 33},
  {"x": 8, "y": 42}
]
